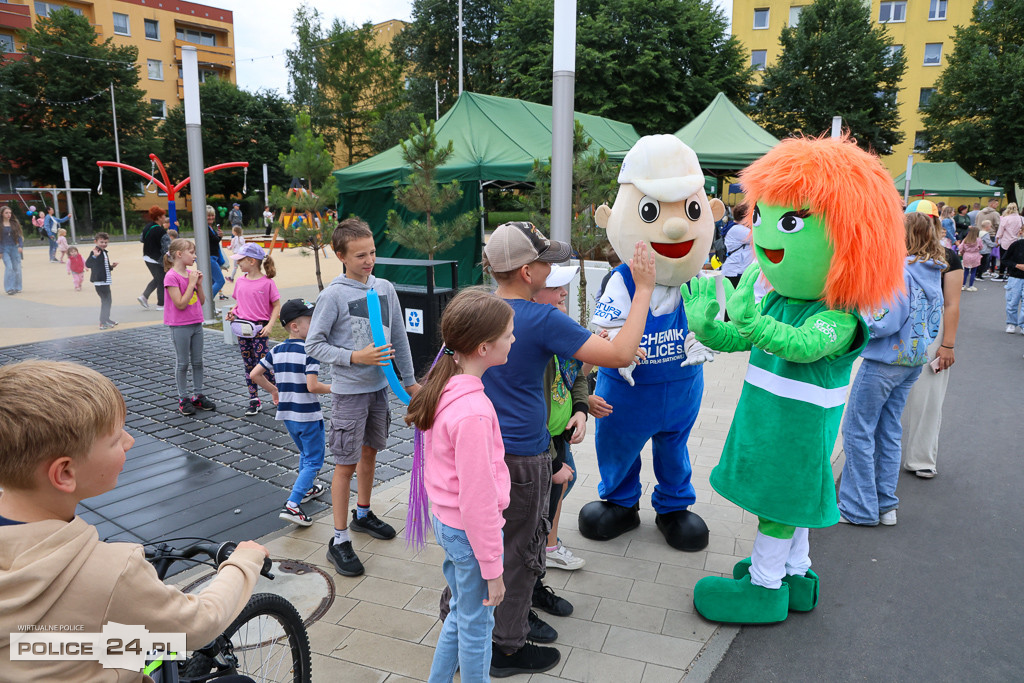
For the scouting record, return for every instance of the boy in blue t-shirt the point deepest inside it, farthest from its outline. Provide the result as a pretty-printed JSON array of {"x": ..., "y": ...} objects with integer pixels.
[
  {"x": 519, "y": 258},
  {"x": 297, "y": 383}
]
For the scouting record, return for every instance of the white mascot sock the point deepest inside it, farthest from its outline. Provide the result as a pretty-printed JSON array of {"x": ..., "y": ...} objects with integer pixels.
[
  {"x": 768, "y": 560},
  {"x": 799, "y": 561}
]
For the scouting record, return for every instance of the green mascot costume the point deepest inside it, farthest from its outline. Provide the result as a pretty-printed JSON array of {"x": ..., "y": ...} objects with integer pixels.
[{"x": 828, "y": 238}]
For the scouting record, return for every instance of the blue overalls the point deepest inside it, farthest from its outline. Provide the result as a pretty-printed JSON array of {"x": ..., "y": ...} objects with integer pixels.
[{"x": 661, "y": 407}]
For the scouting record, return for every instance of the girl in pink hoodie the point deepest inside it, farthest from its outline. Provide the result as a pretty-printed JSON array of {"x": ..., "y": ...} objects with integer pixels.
[{"x": 465, "y": 477}]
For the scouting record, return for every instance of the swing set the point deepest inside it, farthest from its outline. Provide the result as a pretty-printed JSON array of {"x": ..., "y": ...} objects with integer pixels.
[{"x": 166, "y": 185}]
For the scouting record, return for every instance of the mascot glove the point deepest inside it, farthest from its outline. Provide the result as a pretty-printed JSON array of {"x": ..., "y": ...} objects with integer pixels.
[
  {"x": 627, "y": 373},
  {"x": 742, "y": 309},
  {"x": 696, "y": 353},
  {"x": 701, "y": 306}
]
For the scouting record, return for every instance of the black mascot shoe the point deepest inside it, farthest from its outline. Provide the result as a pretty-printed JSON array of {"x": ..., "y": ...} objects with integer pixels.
[
  {"x": 603, "y": 521},
  {"x": 683, "y": 530}
]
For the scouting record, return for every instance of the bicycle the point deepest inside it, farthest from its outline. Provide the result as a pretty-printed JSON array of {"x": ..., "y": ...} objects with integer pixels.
[{"x": 267, "y": 642}]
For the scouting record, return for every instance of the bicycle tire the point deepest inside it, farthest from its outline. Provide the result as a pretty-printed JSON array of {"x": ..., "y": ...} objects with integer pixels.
[{"x": 268, "y": 640}]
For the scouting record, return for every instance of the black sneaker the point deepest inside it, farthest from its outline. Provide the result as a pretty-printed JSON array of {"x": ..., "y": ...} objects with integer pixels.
[
  {"x": 544, "y": 598},
  {"x": 200, "y": 401},
  {"x": 296, "y": 516},
  {"x": 315, "y": 492},
  {"x": 254, "y": 407},
  {"x": 529, "y": 659},
  {"x": 344, "y": 558},
  {"x": 540, "y": 631},
  {"x": 371, "y": 525},
  {"x": 185, "y": 407}
]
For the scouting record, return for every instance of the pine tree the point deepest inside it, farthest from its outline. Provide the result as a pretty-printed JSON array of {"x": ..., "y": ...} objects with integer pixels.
[
  {"x": 423, "y": 195},
  {"x": 309, "y": 162},
  {"x": 593, "y": 184},
  {"x": 834, "y": 63}
]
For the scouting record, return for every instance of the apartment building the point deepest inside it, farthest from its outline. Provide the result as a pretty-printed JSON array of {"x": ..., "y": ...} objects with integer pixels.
[{"x": 922, "y": 29}]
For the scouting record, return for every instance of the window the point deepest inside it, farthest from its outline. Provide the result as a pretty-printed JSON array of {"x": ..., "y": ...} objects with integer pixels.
[
  {"x": 156, "y": 69},
  {"x": 986, "y": 4},
  {"x": 892, "y": 11},
  {"x": 193, "y": 36},
  {"x": 121, "y": 24},
  {"x": 920, "y": 143},
  {"x": 43, "y": 9},
  {"x": 926, "y": 96},
  {"x": 754, "y": 99},
  {"x": 152, "y": 28},
  {"x": 937, "y": 10},
  {"x": 794, "y": 15},
  {"x": 9, "y": 181},
  {"x": 159, "y": 109},
  {"x": 6, "y": 43},
  {"x": 761, "y": 18},
  {"x": 758, "y": 59},
  {"x": 204, "y": 74},
  {"x": 893, "y": 52},
  {"x": 932, "y": 54}
]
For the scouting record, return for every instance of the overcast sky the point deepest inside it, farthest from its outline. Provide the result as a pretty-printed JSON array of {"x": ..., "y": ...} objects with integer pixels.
[{"x": 263, "y": 28}]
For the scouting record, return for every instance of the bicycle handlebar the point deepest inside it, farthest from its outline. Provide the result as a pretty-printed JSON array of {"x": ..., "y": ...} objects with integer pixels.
[{"x": 162, "y": 556}]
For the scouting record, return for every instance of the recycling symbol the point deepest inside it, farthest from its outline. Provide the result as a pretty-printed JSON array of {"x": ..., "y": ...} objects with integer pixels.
[{"x": 414, "y": 320}]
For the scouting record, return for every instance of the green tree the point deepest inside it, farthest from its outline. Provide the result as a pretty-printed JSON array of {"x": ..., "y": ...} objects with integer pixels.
[
  {"x": 423, "y": 195},
  {"x": 343, "y": 80},
  {"x": 593, "y": 183},
  {"x": 55, "y": 102},
  {"x": 834, "y": 63},
  {"x": 430, "y": 45},
  {"x": 237, "y": 125},
  {"x": 652, "y": 63},
  {"x": 308, "y": 160},
  {"x": 976, "y": 117}
]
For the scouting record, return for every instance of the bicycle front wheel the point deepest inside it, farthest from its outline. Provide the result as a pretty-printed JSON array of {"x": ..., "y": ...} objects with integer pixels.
[{"x": 268, "y": 642}]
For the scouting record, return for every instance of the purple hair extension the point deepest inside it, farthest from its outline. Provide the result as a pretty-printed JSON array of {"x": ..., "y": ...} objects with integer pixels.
[{"x": 419, "y": 506}]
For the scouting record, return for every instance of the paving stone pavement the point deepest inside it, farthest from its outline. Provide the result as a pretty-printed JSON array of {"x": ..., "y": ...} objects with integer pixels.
[{"x": 140, "y": 362}]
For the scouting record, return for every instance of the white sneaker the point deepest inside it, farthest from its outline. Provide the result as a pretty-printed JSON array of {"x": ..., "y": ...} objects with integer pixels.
[
  {"x": 972, "y": 289},
  {"x": 562, "y": 558},
  {"x": 142, "y": 300},
  {"x": 1010, "y": 329},
  {"x": 1022, "y": 330},
  {"x": 889, "y": 518}
]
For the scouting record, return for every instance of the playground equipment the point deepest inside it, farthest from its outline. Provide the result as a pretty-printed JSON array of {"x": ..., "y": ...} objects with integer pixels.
[
  {"x": 166, "y": 185},
  {"x": 294, "y": 216}
]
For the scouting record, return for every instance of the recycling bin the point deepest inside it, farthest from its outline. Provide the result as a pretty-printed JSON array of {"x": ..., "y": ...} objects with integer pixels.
[{"x": 422, "y": 305}]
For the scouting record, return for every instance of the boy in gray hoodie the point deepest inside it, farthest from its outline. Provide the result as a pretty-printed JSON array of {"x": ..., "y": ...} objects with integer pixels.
[{"x": 340, "y": 335}]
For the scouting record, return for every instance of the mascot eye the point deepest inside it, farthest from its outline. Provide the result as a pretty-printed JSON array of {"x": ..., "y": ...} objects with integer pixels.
[
  {"x": 757, "y": 216},
  {"x": 693, "y": 210},
  {"x": 791, "y": 223},
  {"x": 650, "y": 209}
]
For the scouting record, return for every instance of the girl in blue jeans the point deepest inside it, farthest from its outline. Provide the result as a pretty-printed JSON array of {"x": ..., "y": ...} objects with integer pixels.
[
  {"x": 892, "y": 360},
  {"x": 465, "y": 478}
]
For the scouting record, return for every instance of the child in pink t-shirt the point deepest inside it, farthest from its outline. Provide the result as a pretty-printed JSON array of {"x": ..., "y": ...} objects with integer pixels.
[
  {"x": 76, "y": 268},
  {"x": 258, "y": 304},
  {"x": 183, "y": 315},
  {"x": 62, "y": 243}
]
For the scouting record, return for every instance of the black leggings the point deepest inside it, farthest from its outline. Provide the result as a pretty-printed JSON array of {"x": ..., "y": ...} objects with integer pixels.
[{"x": 157, "y": 283}]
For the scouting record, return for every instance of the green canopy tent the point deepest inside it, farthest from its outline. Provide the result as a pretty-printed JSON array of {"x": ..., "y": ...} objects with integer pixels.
[
  {"x": 724, "y": 138},
  {"x": 495, "y": 141},
  {"x": 944, "y": 179}
]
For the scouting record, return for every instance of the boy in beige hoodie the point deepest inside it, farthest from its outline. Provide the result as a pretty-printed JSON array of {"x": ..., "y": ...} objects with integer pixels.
[{"x": 54, "y": 571}]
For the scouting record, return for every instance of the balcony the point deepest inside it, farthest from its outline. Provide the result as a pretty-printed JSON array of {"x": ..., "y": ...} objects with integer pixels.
[
  {"x": 209, "y": 57},
  {"x": 16, "y": 17}
]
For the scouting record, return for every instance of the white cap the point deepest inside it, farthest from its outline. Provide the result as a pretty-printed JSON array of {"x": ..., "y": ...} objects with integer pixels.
[
  {"x": 561, "y": 276},
  {"x": 663, "y": 167}
]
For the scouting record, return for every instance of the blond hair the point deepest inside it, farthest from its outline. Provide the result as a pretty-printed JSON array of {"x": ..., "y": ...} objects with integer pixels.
[
  {"x": 49, "y": 410},
  {"x": 176, "y": 247},
  {"x": 924, "y": 238}
]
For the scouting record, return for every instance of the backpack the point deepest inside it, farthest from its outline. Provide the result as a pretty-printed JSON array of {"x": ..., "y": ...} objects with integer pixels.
[{"x": 718, "y": 245}]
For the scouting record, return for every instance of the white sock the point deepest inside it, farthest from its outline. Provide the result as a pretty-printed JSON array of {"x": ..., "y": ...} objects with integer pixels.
[
  {"x": 340, "y": 536},
  {"x": 768, "y": 561},
  {"x": 799, "y": 561},
  {"x": 292, "y": 506}
]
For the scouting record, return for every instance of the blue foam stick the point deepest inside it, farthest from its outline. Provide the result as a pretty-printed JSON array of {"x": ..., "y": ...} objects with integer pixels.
[{"x": 377, "y": 329}]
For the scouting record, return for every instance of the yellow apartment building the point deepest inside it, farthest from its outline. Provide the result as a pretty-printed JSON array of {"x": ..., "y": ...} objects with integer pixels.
[
  {"x": 159, "y": 28},
  {"x": 922, "y": 29}
]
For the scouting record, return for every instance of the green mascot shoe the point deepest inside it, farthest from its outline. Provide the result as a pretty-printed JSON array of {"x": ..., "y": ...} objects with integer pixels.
[
  {"x": 737, "y": 601},
  {"x": 803, "y": 590}
]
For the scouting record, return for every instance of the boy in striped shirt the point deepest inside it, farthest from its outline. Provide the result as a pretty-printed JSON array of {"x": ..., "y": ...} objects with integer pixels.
[{"x": 296, "y": 376}]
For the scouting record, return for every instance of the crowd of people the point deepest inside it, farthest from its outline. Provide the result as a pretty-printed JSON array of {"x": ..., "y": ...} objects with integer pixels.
[{"x": 498, "y": 425}]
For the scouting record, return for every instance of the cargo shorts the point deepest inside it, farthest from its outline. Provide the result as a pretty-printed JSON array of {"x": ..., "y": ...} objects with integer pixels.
[{"x": 358, "y": 420}]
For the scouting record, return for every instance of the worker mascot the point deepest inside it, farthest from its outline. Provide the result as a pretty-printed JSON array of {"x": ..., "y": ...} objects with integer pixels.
[
  {"x": 661, "y": 201},
  {"x": 828, "y": 237}
]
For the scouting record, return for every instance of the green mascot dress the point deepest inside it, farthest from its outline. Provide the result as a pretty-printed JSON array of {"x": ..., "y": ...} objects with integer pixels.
[{"x": 821, "y": 265}]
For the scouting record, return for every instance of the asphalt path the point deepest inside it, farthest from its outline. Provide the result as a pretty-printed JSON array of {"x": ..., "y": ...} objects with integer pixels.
[{"x": 938, "y": 596}]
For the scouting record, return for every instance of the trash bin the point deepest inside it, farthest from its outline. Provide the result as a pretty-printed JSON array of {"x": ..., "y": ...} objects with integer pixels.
[{"x": 422, "y": 306}]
